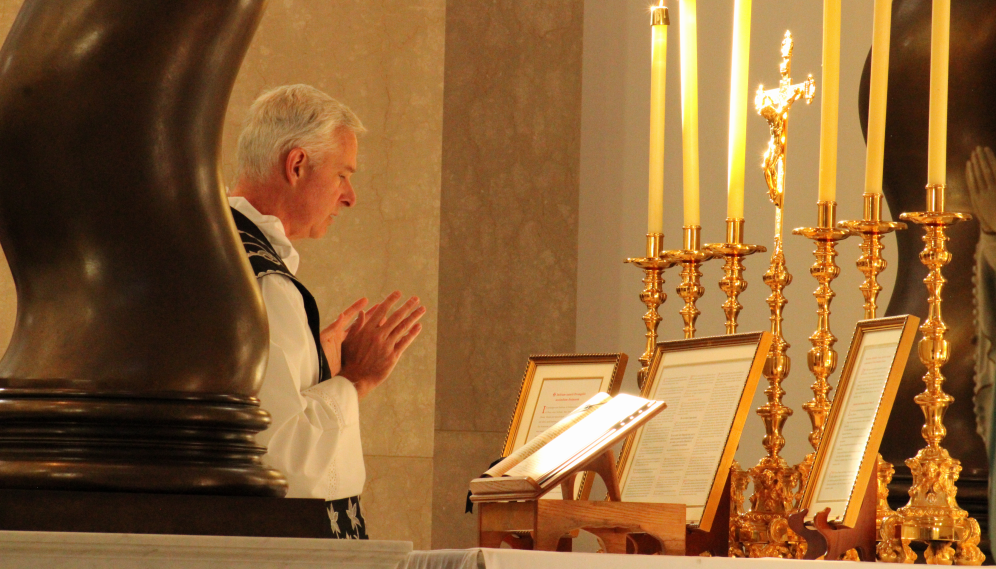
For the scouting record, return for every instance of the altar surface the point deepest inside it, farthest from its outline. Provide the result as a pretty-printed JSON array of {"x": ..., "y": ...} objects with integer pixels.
[
  {"x": 54, "y": 550},
  {"x": 480, "y": 558}
]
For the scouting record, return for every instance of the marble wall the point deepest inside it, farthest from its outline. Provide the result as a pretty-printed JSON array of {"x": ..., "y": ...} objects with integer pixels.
[{"x": 508, "y": 227}]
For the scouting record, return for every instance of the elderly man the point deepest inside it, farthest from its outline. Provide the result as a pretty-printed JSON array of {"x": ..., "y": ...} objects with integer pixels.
[{"x": 296, "y": 154}]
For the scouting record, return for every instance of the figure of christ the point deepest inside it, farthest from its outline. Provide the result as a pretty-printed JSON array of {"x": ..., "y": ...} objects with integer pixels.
[{"x": 774, "y": 106}]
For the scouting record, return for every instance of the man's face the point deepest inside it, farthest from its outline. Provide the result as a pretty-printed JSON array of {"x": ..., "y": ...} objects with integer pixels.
[{"x": 323, "y": 189}]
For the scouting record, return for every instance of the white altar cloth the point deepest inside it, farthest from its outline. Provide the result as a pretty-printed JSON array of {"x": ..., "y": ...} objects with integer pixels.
[
  {"x": 482, "y": 558},
  {"x": 23, "y": 549}
]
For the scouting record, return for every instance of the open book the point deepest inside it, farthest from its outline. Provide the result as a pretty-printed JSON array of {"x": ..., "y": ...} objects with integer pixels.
[{"x": 545, "y": 461}]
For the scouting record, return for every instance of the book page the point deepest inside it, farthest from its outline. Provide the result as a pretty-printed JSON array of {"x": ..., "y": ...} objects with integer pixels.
[
  {"x": 559, "y": 427},
  {"x": 677, "y": 454},
  {"x": 587, "y": 432},
  {"x": 853, "y": 428},
  {"x": 558, "y": 397}
]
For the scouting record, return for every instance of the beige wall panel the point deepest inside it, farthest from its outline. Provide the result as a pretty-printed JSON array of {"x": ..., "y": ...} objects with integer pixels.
[
  {"x": 509, "y": 199},
  {"x": 396, "y": 493},
  {"x": 508, "y": 230},
  {"x": 468, "y": 453}
]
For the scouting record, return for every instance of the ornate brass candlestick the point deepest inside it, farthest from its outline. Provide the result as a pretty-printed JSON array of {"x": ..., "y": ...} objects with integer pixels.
[
  {"x": 871, "y": 264},
  {"x": 764, "y": 531},
  {"x": 932, "y": 514},
  {"x": 733, "y": 283},
  {"x": 822, "y": 358},
  {"x": 691, "y": 257},
  {"x": 653, "y": 295}
]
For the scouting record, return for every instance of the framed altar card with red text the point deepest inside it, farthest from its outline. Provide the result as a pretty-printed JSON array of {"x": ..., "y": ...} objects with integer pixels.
[
  {"x": 555, "y": 385},
  {"x": 684, "y": 454},
  {"x": 867, "y": 388}
]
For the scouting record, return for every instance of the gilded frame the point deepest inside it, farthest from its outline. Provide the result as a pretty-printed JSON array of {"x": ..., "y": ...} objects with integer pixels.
[
  {"x": 528, "y": 394},
  {"x": 762, "y": 343},
  {"x": 907, "y": 327}
]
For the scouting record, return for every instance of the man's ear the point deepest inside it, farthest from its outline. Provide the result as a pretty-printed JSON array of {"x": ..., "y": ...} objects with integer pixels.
[{"x": 294, "y": 165}]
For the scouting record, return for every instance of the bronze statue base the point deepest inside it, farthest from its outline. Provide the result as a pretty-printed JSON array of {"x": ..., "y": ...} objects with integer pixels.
[
  {"x": 184, "y": 444},
  {"x": 174, "y": 514}
]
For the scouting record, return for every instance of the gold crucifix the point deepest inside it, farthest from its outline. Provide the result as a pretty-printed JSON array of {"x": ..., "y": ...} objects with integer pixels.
[{"x": 774, "y": 106}]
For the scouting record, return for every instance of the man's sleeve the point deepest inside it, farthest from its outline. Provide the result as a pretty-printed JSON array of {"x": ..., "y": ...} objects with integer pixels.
[{"x": 314, "y": 436}]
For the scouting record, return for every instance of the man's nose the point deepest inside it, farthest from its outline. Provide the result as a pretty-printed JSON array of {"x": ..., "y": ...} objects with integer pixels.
[{"x": 348, "y": 197}]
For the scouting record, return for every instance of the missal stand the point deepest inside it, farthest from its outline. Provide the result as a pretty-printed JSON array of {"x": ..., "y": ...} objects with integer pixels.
[
  {"x": 549, "y": 525},
  {"x": 831, "y": 540}
]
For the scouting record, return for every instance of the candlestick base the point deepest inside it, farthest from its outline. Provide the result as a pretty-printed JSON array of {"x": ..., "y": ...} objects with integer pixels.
[
  {"x": 653, "y": 295},
  {"x": 932, "y": 515},
  {"x": 733, "y": 284},
  {"x": 764, "y": 531}
]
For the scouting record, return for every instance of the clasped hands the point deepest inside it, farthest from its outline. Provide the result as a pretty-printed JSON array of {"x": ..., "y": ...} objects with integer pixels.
[{"x": 364, "y": 346}]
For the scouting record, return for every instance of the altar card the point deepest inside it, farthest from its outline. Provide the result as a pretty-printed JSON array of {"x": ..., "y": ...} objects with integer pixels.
[
  {"x": 552, "y": 387},
  {"x": 683, "y": 455},
  {"x": 868, "y": 383}
]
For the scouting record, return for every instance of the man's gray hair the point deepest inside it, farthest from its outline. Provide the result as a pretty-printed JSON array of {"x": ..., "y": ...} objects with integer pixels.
[{"x": 285, "y": 118}]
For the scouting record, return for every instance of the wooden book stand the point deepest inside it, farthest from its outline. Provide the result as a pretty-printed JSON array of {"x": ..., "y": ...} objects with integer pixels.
[
  {"x": 716, "y": 541},
  {"x": 833, "y": 541},
  {"x": 549, "y": 525}
]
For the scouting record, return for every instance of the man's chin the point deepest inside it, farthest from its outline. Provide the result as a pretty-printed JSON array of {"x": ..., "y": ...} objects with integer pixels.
[{"x": 319, "y": 232}]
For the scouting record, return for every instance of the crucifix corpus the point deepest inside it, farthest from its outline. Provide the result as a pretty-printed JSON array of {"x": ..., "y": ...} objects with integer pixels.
[{"x": 774, "y": 106}]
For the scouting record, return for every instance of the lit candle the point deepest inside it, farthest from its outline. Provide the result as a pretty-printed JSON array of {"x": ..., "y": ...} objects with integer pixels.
[
  {"x": 739, "y": 95},
  {"x": 937, "y": 146},
  {"x": 879, "y": 92},
  {"x": 689, "y": 112},
  {"x": 658, "y": 25},
  {"x": 831, "y": 100}
]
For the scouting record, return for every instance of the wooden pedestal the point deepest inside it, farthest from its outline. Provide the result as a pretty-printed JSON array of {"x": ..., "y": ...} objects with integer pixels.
[
  {"x": 546, "y": 525},
  {"x": 828, "y": 539},
  {"x": 550, "y": 525}
]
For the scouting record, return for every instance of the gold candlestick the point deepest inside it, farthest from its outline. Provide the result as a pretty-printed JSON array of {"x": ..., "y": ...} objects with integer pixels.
[
  {"x": 932, "y": 514},
  {"x": 653, "y": 295},
  {"x": 733, "y": 283},
  {"x": 764, "y": 531},
  {"x": 822, "y": 358},
  {"x": 691, "y": 257},
  {"x": 871, "y": 264}
]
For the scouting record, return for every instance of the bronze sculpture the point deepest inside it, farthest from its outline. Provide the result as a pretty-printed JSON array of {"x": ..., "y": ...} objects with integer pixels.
[{"x": 140, "y": 337}]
